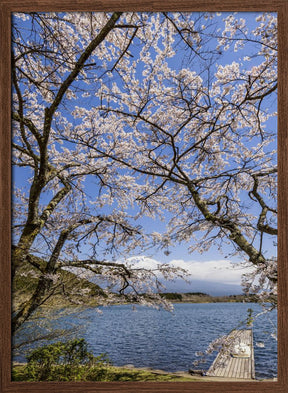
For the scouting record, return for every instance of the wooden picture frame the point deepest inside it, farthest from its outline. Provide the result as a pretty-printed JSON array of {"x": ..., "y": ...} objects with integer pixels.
[{"x": 8, "y": 7}]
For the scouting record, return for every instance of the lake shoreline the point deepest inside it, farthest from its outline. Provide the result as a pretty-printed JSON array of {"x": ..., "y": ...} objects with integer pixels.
[
  {"x": 154, "y": 374},
  {"x": 174, "y": 298},
  {"x": 198, "y": 297}
]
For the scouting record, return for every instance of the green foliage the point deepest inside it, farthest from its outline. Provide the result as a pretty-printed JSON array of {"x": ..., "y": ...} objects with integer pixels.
[
  {"x": 197, "y": 294},
  {"x": 65, "y": 361},
  {"x": 250, "y": 317},
  {"x": 172, "y": 296},
  {"x": 108, "y": 373}
]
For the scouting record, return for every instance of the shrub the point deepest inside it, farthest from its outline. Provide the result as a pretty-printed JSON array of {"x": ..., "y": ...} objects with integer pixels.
[{"x": 64, "y": 361}]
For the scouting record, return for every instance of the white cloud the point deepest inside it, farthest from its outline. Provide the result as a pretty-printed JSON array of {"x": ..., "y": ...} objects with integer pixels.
[
  {"x": 143, "y": 262},
  {"x": 213, "y": 271},
  {"x": 220, "y": 271}
]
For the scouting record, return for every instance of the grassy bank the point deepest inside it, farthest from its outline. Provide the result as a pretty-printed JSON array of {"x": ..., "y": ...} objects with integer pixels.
[
  {"x": 106, "y": 374},
  {"x": 129, "y": 374}
]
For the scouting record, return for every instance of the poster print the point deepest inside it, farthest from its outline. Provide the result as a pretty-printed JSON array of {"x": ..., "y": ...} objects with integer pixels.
[{"x": 145, "y": 169}]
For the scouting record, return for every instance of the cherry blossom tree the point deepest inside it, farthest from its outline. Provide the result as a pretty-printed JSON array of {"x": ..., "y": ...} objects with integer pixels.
[
  {"x": 56, "y": 216},
  {"x": 199, "y": 133},
  {"x": 117, "y": 116}
]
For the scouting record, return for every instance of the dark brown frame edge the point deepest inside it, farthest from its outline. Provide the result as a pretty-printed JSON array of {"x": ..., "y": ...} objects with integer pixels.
[{"x": 6, "y": 8}]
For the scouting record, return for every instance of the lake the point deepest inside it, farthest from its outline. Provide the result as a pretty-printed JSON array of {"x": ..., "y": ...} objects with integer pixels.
[{"x": 147, "y": 337}]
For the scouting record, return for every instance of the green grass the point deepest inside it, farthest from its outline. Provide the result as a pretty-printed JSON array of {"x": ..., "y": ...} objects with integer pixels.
[{"x": 106, "y": 374}]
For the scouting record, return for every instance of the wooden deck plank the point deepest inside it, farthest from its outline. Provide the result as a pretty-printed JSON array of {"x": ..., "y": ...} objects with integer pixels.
[
  {"x": 220, "y": 367},
  {"x": 230, "y": 368},
  {"x": 252, "y": 367},
  {"x": 246, "y": 370},
  {"x": 241, "y": 368},
  {"x": 235, "y": 367}
]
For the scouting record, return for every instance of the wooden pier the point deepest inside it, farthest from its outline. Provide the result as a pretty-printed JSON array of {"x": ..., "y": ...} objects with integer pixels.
[{"x": 239, "y": 361}]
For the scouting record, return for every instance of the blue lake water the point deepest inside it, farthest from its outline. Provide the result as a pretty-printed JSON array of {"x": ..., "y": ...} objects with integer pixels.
[{"x": 147, "y": 337}]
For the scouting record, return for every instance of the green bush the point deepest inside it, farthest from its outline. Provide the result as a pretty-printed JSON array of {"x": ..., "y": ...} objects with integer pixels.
[
  {"x": 171, "y": 296},
  {"x": 65, "y": 361}
]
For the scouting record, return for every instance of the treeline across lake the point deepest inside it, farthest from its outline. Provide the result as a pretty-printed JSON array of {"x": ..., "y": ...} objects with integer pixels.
[{"x": 201, "y": 297}]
